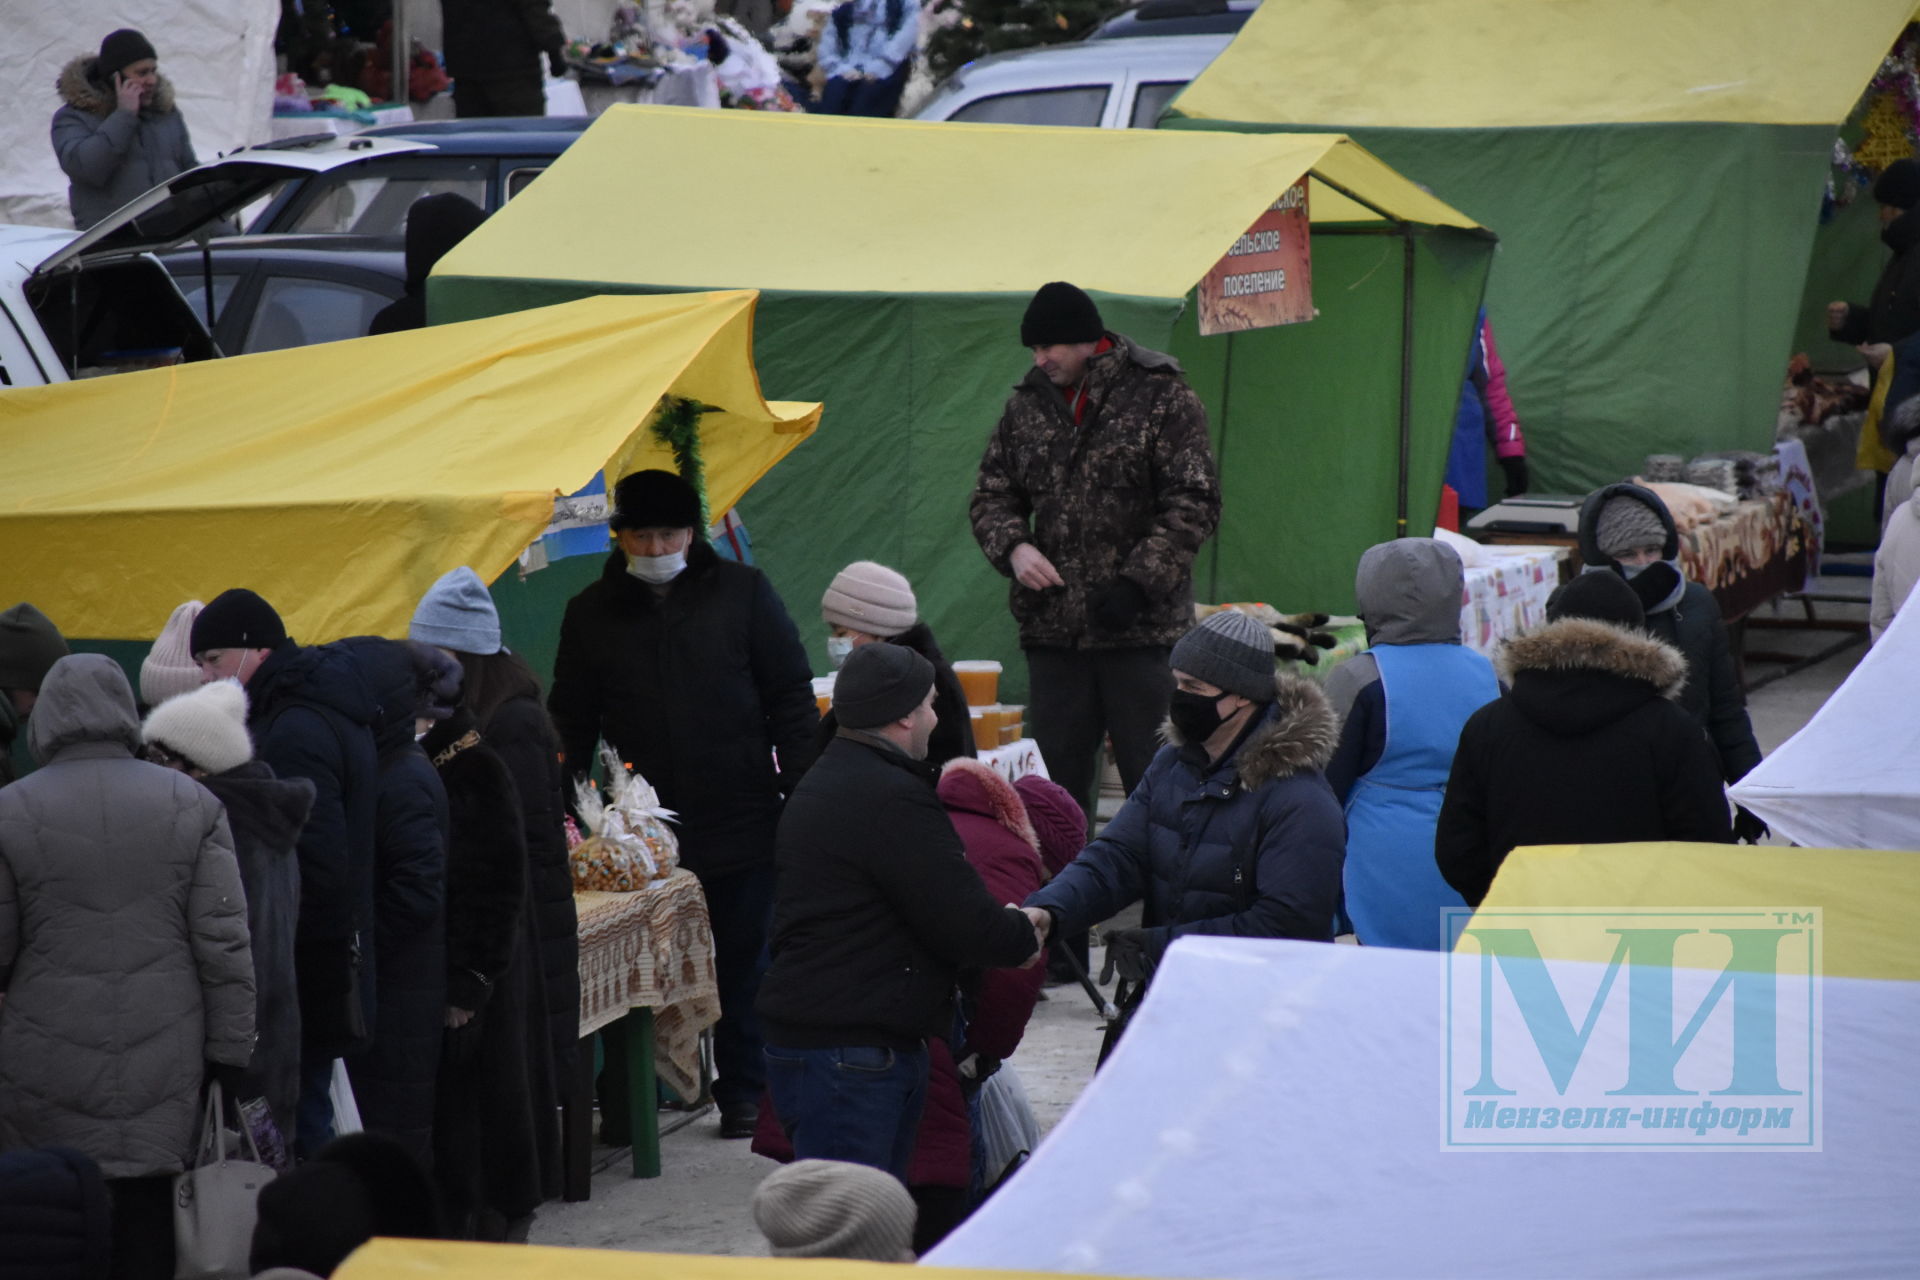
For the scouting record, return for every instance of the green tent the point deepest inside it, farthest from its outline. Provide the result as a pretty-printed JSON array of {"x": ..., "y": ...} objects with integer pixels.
[
  {"x": 894, "y": 260},
  {"x": 1655, "y": 171}
]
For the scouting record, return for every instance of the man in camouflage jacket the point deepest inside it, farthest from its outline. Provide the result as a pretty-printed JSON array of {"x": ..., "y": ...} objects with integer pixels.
[{"x": 1095, "y": 493}]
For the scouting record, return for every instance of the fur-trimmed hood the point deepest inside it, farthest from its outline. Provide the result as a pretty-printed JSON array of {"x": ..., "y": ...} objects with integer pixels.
[
  {"x": 972, "y": 787},
  {"x": 79, "y": 90},
  {"x": 1299, "y": 732},
  {"x": 1577, "y": 674}
]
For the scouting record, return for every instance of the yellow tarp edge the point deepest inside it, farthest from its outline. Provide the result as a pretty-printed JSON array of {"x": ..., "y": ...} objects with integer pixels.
[
  {"x": 898, "y": 206},
  {"x": 1523, "y": 63},
  {"x": 436, "y": 1260},
  {"x": 340, "y": 480}
]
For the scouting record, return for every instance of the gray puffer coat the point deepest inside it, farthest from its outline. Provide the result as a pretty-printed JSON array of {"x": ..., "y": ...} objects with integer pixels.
[
  {"x": 123, "y": 937},
  {"x": 109, "y": 155}
]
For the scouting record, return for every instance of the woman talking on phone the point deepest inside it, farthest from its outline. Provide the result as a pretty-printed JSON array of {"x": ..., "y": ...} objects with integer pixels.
[{"x": 117, "y": 132}]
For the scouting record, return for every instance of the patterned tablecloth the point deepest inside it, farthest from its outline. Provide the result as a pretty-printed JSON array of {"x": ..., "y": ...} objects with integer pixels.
[
  {"x": 1508, "y": 595},
  {"x": 1747, "y": 540},
  {"x": 651, "y": 949}
]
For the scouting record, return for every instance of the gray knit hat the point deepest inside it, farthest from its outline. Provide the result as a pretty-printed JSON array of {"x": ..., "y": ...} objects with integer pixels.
[
  {"x": 1229, "y": 650},
  {"x": 29, "y": 646},
  {"x": 1627, "y": 523},
  {"x": 833, "y": 1209},
  {"x": 457, "y": 613},
  {"x": 871, "y": 598}
]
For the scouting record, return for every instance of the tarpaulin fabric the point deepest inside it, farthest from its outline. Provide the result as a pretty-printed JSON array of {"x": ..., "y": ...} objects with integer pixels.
[
  {"x": 217, "y": 53},
  {"x": 441, "y": 1260},
  {"x": 341, "y": 480},
  {"x": 1849, "y": 778},
  {"x": 1278, "y": 1109},
  {"x": 1656, "y": 191},
  {"x": 1867, "y": 933},
  {"x": 917, "y": 374}
]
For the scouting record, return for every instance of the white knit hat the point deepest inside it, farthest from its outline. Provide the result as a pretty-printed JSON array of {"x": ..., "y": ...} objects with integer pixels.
[
  {"x": 833, "y": 1209},
  {"x": 207, "y": 728},
  {"x": 870, "y": 598},
  {"x": 168, "y": 669}
]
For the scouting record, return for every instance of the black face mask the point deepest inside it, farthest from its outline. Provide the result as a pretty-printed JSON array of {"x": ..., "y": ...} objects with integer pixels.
[{"x": 1196, "y": 715}]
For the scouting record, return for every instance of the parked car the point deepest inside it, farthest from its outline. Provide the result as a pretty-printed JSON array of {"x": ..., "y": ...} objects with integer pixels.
[
  {"x": 489, "y": 161},
  {"x": 1176, "y": 18},
  {"x": 1107, "y": 83},
  {"x": 101, "y": 301},
  {"x": 274, "y": 292}
]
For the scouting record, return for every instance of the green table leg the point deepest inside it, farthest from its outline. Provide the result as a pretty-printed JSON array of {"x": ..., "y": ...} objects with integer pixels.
[{"x": 643, "y": 1096}]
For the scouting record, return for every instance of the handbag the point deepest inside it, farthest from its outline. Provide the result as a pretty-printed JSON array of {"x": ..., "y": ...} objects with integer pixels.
[{"x": 215, "y": 1202}]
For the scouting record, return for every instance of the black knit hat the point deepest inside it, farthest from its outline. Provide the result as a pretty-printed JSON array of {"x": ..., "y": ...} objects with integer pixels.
[
  {"x": 1899, "y": 186},
  {"x": 120, "y": 50},
  {"x": 654, "y": 500},
  {"x": 237, "y": 619},
  {"x": 1060, "y": 312},
  {"x": 1601, "y": 596},
  {"x": 879, "y": 684}
]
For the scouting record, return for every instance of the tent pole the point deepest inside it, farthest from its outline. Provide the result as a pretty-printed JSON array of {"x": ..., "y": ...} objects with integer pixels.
[
  {"x": 1220, "y": 469},
  {"x": 400, "y": 54},
  {"x": 1406, "y": 378}
]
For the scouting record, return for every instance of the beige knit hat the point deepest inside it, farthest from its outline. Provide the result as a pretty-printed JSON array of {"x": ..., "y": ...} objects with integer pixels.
[
  {"x": 207, "y": 728},
  {"x": 832, "y": 1209},
  {"x": 168, "y": 670},
  {"x": 871, "y": 598}
]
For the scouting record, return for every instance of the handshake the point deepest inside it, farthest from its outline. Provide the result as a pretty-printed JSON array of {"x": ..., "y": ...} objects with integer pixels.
[{"x": 1042, "y": 926}]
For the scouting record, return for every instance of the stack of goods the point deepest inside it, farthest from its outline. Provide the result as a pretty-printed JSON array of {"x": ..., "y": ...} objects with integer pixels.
[
  {"x": 995, "y": 724},
  {"x": 1667, "y": 468},
  {"x": 1752, "y": 474},
  {"x": 629, "y": 845}
]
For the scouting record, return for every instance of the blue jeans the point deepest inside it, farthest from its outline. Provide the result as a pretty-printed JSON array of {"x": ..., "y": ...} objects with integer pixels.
[{"x": 857, "y": 1104}]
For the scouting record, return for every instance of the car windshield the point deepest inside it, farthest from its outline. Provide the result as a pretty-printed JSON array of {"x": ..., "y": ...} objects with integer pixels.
[
  {"x": 1080, "y": 106},
  {"x": 377, "y": 204}
]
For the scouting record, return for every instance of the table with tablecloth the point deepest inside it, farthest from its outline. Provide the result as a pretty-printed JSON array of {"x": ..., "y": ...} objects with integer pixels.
[
  {"x": 647, "y": 981},
  {"x": 1756, "y": 551}
]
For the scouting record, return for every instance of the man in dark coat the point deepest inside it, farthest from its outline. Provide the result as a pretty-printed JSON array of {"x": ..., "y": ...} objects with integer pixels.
[
  {"x": 493, "y": 52},
  {"x": 690, "y": 668},
  {"x": 118, "y": 132},
  {"x": 310, "y": 718},
  {"x": 1627, "y": 529},
  {"x": 1894, "y": 310},
  {"x": 876, "y": 913},
  {"x": 1096, "y": 491},
  {"x": 1586, "y": 745},
  {"x": 1234, "y": 829},
  {"x": 435, "y": 224},
  {"x": 29, "y": 646}
]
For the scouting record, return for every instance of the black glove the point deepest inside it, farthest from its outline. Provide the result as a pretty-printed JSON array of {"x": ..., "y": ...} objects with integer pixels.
[
  {"x": 1654, "y": 584},
  {"x": 1119, "y": 606},
  {"x": 1516, "y": 469},
  {"x": 1127, "y": 954},
  {"x": 557, "y": 63},
  {"x": 717, "y": 48},
  {"x": 1747, "y": 829},
  {"x": 231, "y": 1079}
]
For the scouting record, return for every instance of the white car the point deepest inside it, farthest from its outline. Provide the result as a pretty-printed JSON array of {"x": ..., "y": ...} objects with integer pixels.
[
  {"x": 1105, "y": 83},
  {"x": 100, "y": 302}
]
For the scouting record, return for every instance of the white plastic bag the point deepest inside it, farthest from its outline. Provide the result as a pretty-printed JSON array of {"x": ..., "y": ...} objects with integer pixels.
[
  {"x": 346, "y": 1111},
  {"x": 1007, "y": 1127}
]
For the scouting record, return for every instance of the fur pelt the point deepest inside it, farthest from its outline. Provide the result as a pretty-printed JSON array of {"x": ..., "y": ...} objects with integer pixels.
[
  {"x": 1583, "y": 644},
  {"x": 1303, "y": 734},
  {"x": 1008, "y": 809},
  {"x": 78, "y": 89}
]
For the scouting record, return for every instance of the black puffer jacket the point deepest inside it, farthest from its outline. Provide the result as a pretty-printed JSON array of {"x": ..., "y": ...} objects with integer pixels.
[
  {"x": 311, "y": 718},
  {"x": 1894, "y": 312},
  {"x": 266, "y": 814},
  {"x": 697, "y": 690},
  {"x": 1585, "y": 746},
  {"x": 55, "y": 1217},
  {"x": 876, "y": 909},
  {"x": 1712, "y": 693},
  {"x": 953, "y": 733}
]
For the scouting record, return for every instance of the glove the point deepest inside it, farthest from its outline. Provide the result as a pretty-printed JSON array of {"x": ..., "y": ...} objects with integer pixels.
[
  {"x": 1654, "y": 584},
  {"x": 1516, "y": 469},
  {"x": 1119, "y": 606},
  {"x": 1127, "y": 954},
  {"x": 557, "y": 63},
  {"x": 1747, "y": 829},
  {"x": 231, "y": 1079}
]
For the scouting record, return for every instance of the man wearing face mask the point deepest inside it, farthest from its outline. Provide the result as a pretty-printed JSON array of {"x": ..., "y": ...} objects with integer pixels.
[
  {"x": 868, "y": 603},
  {"x": 1627, "y": 529},
  {"x": 689, "y": 666},
  {"x": 310, "y": 716},
  {"x": 1233, "y": 829}
]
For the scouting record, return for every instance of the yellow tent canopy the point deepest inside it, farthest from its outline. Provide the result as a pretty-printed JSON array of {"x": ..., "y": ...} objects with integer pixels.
[
  {"x": 1864, "y": 896},
  {"x": 340, "y": 480},
  {"x": 1517, "y": 63},
  {"x": 433, "y": 1260},
  {"x": 897, "y": 206}
]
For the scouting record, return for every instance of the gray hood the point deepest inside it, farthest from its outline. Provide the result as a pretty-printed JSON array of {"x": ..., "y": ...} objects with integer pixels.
[
  {"x": 1409, "y": 592},
  {"x": 85, "y": 698}
]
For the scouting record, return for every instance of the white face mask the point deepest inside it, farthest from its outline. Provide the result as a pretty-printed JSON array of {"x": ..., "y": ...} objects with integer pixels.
[
  {"x": 838, "y": 647},
  {"x": 657, "y": 569}
]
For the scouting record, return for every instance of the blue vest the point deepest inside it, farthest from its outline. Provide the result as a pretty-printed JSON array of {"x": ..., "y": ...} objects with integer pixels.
[{"x": 1393, "y": 887}]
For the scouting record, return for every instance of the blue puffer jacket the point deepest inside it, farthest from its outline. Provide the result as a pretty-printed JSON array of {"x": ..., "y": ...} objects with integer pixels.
[{"x": 1249, "y": 846}]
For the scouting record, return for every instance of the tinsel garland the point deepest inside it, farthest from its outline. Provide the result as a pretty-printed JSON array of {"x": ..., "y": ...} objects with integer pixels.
[
  {"x": 1889, "y": 114},
  {"x": 676, "y": 425}
]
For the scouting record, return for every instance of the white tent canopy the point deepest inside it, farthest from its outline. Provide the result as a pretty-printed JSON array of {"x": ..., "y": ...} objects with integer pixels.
[
  {"x": 217, "y": 53},
  {"x": 1848, "y": 779},
  {"x": 1278, "y": 1109}
]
